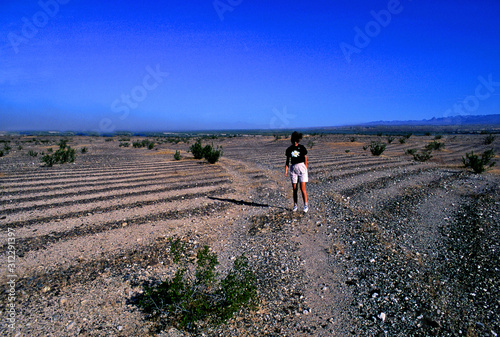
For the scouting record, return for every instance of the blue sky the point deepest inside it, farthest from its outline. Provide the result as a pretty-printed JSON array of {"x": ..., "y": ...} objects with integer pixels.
[{"x": 172, "y": 65}]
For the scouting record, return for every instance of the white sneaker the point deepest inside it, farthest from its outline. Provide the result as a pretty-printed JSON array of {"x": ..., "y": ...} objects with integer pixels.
[
  {"x": 306, "y": 208},
  {"x": 295, "y": 208}
]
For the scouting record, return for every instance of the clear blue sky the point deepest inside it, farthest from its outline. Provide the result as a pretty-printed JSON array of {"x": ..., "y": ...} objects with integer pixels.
[{"x": 170, "y": 65}]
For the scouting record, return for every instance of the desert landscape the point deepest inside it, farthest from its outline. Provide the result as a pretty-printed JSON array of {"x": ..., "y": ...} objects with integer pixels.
[{"x": 391, "y": 246}]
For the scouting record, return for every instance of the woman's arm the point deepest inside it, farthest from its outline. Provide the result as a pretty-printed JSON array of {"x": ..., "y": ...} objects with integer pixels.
[{"x": 305, "y": 161}]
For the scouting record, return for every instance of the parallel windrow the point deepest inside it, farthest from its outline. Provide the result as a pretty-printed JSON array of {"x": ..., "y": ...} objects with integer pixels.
[
  {"x": 69, "y": 230},
  {"x": 386, "y": 179},
  {"x": 42, "y": 202},
  {"x": 78, "y": 186},
  {"x": 33, "y": 212},
  {"x": 38, "y": 177}
]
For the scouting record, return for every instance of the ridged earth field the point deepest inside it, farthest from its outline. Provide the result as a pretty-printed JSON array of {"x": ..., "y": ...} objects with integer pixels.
[{"x": 390, "y": 247}]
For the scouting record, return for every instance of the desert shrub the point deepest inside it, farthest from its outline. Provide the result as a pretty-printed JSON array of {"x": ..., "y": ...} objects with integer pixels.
[
  {"x": 190, "y": 301},
  {"x": 411, "y": 151},
  {"x": 197, "y": 150},
  {"x": 310, "y": 144},
  {"x": 83, "y": 150},
  {"x": 409, "y": 135},
  {"x": 423, "y": 156},
  {"x": 62, "y": 143},
  {"x": 390, "y": 139},
  {"x": 377, "y": 148},
  {"x": 211, "y": 154},
  {"x": 353, "y": 139},
  {"x": 144, "y": 143},
  {"x": 489, "y": 139},
  {"x": 434, "y": 146},
  {"x": 177, "y": 155},
  {"x": 436, "y": 137},
  {"x": 365, "y": 147},
  {"x": 6, "y": 148},
  {"x": 124, "y": 144},
  {"x": 479, "y": 165},
  {"x": 32, "y": 153},
  {"x": 65, "y": 154},
  {"x": 347, "y": 151},
  {"x": 402, "y": 140}
]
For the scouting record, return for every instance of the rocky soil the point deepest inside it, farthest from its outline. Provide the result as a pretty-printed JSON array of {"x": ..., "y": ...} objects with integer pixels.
[{"x": 390, "y": 247}]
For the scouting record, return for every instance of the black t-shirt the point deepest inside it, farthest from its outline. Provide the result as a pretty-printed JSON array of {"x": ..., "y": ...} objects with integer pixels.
[{"x": 297, "y": 154}]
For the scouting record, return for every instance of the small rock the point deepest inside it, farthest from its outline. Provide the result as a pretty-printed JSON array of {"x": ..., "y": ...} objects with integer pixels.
[{"x": 70, "y": 325}]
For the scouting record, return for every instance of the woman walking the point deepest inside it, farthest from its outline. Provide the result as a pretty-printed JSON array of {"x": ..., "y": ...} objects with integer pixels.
[{"x": 296, "y": 154}]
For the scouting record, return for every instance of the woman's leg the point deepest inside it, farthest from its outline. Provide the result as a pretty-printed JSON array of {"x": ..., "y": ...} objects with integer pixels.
[
  {"x": 295, "y": 193},
  {"x": 304, "y": 192}
]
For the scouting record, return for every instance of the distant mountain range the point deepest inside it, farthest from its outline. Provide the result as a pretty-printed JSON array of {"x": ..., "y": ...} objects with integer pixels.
[{"x": 443, "y": 121}]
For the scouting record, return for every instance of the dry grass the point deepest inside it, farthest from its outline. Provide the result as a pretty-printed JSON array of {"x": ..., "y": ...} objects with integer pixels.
[
  {"x": 343, "y": 145},
  {"x": 164, "y": 152}
]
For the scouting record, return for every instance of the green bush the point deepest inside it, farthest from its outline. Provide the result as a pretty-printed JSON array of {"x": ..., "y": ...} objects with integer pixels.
[
  {"x": 411, "y": 151},
  {"x": 197, "y": 150},
  {"x": 434, "y": 146},
  {"x": 208, "y": 152},
  {"x": 212, "y": 155},
  {"x": 377, "y": 148},
  {"x": 32, "y": 153},
  {"x": 489, "y": 139},
  {"x": 144, "y": 143},
  {"x": 390, "y": 139},
  {"x": 423, "y": 156},
  {"x": 190, "y": 301},
  {"x": 177, "y": 155},
  {"x": 65, "y": 154},
  {"x": 477, "y": 164}
]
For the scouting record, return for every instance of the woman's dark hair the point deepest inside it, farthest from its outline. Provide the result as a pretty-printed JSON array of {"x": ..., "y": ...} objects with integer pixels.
[{"x": 296, "y": 137}]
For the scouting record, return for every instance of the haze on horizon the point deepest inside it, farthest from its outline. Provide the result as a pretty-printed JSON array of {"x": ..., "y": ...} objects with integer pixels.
[{"x": 234, "y": 64}]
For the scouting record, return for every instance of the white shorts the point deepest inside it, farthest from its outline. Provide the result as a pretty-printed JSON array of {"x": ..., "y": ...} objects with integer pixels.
[{"x": 298, "y": 173}]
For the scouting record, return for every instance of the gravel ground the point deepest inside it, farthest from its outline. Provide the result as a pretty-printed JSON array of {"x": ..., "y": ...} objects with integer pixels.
[{"x": 389, "y": 248}]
